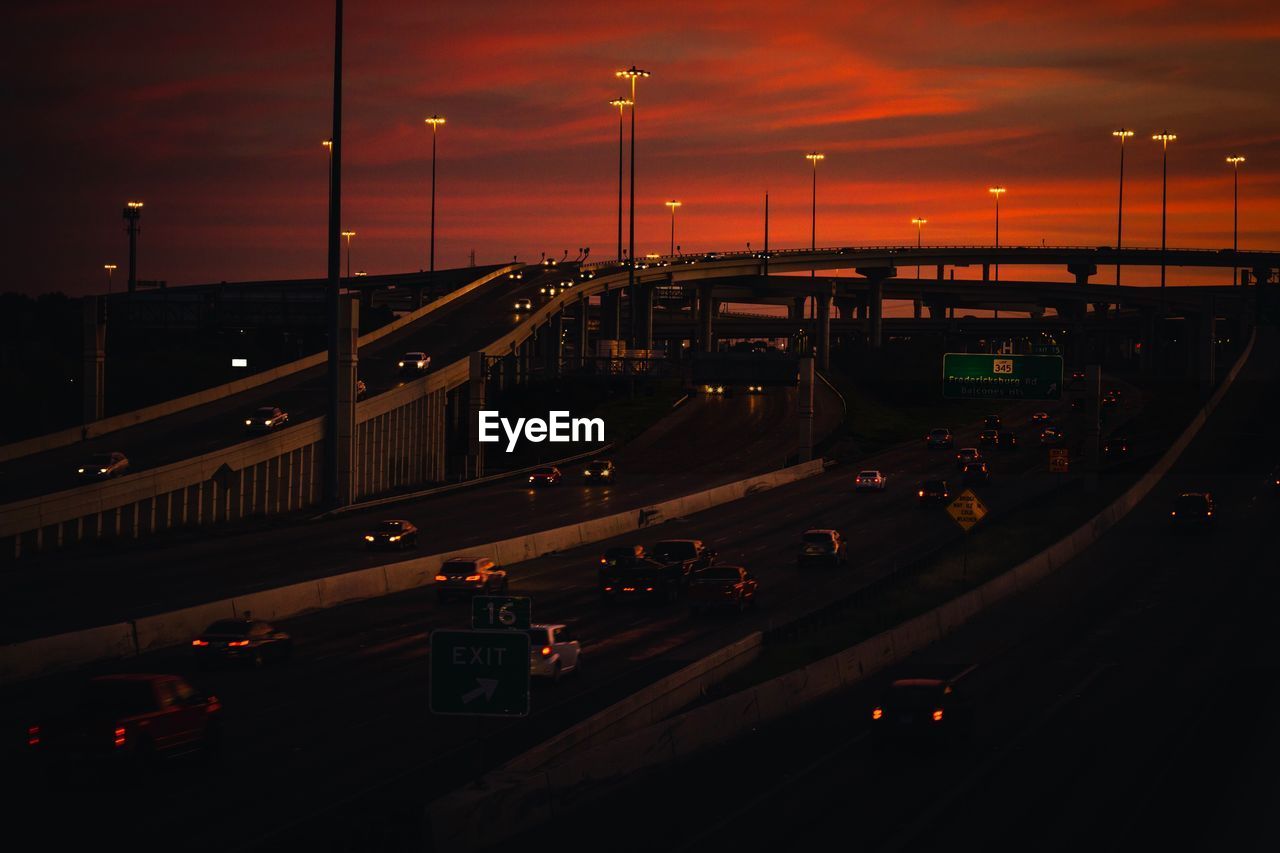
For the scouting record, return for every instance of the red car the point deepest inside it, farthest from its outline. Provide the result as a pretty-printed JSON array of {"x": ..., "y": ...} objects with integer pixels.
[
  {"x": 545, "y": 477},
  {"x": 132, "y": 716},
  {"x": 722, "y": 587}
]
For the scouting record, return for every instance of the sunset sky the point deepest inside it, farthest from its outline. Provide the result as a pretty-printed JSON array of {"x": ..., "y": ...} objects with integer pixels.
[{"x": 213, "y": 115}]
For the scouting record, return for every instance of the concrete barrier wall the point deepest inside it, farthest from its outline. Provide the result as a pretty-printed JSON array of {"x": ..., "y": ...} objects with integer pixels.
[
  {"x": 564, "y": 773},
  {"x": 71, "y": 435},
  {"x": 49, "y": 654}
]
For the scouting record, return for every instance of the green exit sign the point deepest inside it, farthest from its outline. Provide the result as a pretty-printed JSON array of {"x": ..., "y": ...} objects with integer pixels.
[
  {"x": 974, "y": 376},
  {"x": 501, "y": 611},
  {"x": 480, "y": 673}
]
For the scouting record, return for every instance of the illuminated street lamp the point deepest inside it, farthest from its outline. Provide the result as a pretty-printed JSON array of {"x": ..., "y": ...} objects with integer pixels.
[
  {"x": 1235, "y": 160},
  {"x": 1122, "y": 134},
  {"x": 435, "y": 121},
  {"x": 632, "y": 74},
  {"x": 673, "y": 204},
  {"x": 997, "y": 192},
  {"x": 132, "y": 220},
  {"x": 1164, "y": 139},
  {"x": 621, "y": 104},
  {"x": 110, "y": 268},
  {"x": 814, "y": 157},
  {"x": 919, "y": 223},
  {"x": 348, "y": 235}
]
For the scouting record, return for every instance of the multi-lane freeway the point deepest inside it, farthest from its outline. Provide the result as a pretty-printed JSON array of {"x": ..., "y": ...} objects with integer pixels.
[
  {"x": 706, "y": 442},
  {"x": 338, "y": 750},
  {"x": 1125, "y": 703}
]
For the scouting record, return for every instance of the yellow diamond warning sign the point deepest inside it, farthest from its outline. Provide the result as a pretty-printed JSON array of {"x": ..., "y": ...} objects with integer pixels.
[{"x": 966, "y": 510}]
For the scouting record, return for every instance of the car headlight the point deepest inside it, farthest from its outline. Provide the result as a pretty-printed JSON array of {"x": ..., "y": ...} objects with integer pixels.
[
  {"x": 248, "y": 423},
  {"x": 102, "y": 470},
  {"x": 395, "y": 538},
  {"x": 605, "y": 473},
  {"x": 79, "y": 470},
  {"x": 266, "y": 423},
  {"x": 400, "y": 364},
  {"x": 422, "y": 364},
  {"x": 531, "y": 479},
  {"x": 586, "y": 472}
]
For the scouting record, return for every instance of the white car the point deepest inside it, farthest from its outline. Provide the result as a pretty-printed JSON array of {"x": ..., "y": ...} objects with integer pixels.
[
  {"x": 414, "y": 362},
  {"x": 552, "y": 652},
  {"x": 868, "y": 481}
]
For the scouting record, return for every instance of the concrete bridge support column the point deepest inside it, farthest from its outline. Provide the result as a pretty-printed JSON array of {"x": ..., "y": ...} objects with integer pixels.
[
  {"x": 875, "y": 300},
  {"x": 846, "y": 306},
  {"x": 643, "y": 317},
  {"x": 555, "y": 343},
  {"x": 937, "y": 309},
  {"x": 706, "y": 308},
  {"x": 916, "y": 305},
  {"x": 1206, "y": 346},
  {"x": 1148, "y": 330},
  {"x": 805, "y": 398},
  {"x": 795, "y": 311},
  {"x": 1082, "y": 271},
  {"x": 95, "y": 358},
  {"x": 824, "y": 330},
  {"x": 345, "y": 437},
  {"x": 581, "y": 339},
  {"x": 524, "y": 357},
  {"x": 986, "y": 272},
  {"x": 610, "y": 315},
  {"x": 476, "y": 402}
]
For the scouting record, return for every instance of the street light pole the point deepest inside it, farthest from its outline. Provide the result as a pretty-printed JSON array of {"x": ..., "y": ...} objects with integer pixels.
[
  {"x": 1164, "y": 139},
  {"x": 632, "y": 74},
  {"x": 1235, "y": 160},
  {"x": 110, "y": 268},
  {"x": 814, "y": 157},
  {"x": 997, "y": 192},
  {"x": 348, "y": 235},
  {"x": 918, "y": 222},
  {"x": 435, "y": 121},
  {"x": 621, "y": 104},
  {"x": 673, "y": 204},
  {"x": 132, "y": 220},
  {"x": 1122, "y": 134}
]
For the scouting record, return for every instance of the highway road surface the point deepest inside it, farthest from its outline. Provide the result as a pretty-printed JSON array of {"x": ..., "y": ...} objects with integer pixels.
[
  {"x": 1126, "y": 703},
  {"x": 337, "y": 750},
  {"x": 706, "y": 442}
]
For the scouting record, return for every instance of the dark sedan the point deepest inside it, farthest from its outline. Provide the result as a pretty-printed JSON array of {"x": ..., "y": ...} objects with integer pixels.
[
  {"x": 600, "y": 471},
  {"x": 1007, "y": 441},
  {"x": 102, "y": 466},
  {"x": 1192, "y": 510},
  {"x": 729, "y": 587},
  {"x": 249, "y": 641},
  {"x": 393, "y": 533},
  {"x": 546, "y": 477},
  {"x": 1115, "y": 448},
  {"x": 933, "y": 491}
]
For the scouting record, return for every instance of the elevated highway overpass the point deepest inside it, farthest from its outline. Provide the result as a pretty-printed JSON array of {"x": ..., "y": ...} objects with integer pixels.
[{"x": 399, "y": 434}]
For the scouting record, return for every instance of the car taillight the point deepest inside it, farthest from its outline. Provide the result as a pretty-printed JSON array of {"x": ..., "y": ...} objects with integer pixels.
[
  {"x": 199, "y": 642},
  {"x": 608, "y": 589},
  {"x": 33, "y": 735},
  {"x": 937, "y": 715},
  {"x": 238, "y": 643},
  {"x": 442, "y": 577},
  {"x": 212, "y": 703},
  {"x": 546, "y": 651},
  {"x": 877, "y": 713},
  {"x": 473, "y": 577},
  {"x": 120, "y": 736}
]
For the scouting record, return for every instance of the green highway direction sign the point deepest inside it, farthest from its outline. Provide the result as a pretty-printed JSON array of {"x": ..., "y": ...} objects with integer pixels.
[
  {"x": 500, "y": 611},
  {"x": 974, "y": 376},
  {"x": 480, "y": 673}
]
